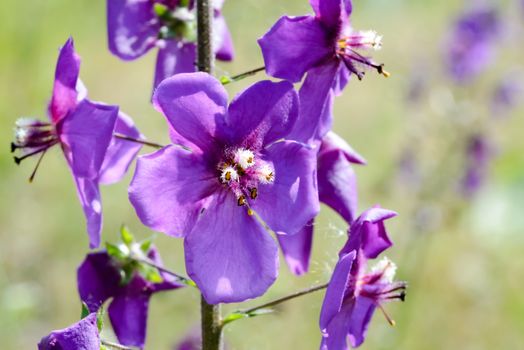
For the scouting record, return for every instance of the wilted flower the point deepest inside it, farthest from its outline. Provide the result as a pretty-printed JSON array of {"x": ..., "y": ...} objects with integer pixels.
[
  {"x": 240, "y": 164},
  {"x": 353, "y": 294},
  {"x": 84, "y": 130},
  {"x": 101, "y": 277},
  {"x": 337, "y": 187},
  {"x": 83, "y": 335},
  {"x": 471, "y": 45},
  {"x": 135, "y": 27}
]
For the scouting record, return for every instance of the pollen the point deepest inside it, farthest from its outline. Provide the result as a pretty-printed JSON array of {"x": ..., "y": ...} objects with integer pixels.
[
  {"x": 266, "y": 174},
  {"x": 228, "y": 174},
  {"x": 253, "y": 193},
  {"x": 241, "y": 200},
  {"x": 244, "y": 158}
]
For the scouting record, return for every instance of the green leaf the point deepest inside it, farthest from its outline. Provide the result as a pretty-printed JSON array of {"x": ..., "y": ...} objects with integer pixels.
[
  {"x": 100, "y": 319},
  {"x": 116, "y": 251},
  {"x": 161, "y": 10},
  {"x": 126, "y": 235},
  {"x": 103, "y": 347},
  {"x": 126, "y": 273},
  {"x": 224, "y": 79},
  {"x": 145, "y": 245},
  {"x": 85, "y": 311}
]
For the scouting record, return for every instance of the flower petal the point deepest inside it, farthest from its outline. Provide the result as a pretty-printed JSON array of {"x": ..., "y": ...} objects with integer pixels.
[
  {"x": 263, "y": 113},
  {"x": 89, "y": 195},
  {"x": 336, "y": 333},
  {"x": 81, "y": 335},
  {"x": 132, "y": 27},
  {"x": 287, "y": 204},
  {"x": 336, "y": 290},
  {"x": 120, "y": 153},
  {"x": 361, "y": 314},
  {"x": 316, "y": 104},
  {"x": 174, "y": 58},
  {"x": 64, "y": 96},
  {"x": 97, "y": 279},
  {"x": 328, "y": 12},
  {"x": 128, "y": 315},
  {"x": 169, "y": 189},
  {"x": 229, "y": 254},
  {"x": 337, "y": 184},
  {"x": 333, "y": 142},
  {"x": 85, "y": 135},
  {"x": 195, "y": 105},
  {"x": 294, "y": 45},
  {"x": 223, "y": 42},
  {"x": 297, "y": 249}
]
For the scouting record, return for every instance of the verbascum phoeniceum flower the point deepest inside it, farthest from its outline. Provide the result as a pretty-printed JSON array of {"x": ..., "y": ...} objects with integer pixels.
[
  {"x": 233, "y": 175},
  {"x": 85, "y": 131},
  {"x": 82, "y": 335},
  {"x": 337, "y": 188},
  {"x": 137, "y": 26},
  {"x": 100, "y": 277},
  {"x": 354, "y": 293}
]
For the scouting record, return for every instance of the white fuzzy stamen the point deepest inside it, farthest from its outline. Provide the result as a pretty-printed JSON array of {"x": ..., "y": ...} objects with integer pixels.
[
  {"x": 228, "y": 174},
  {"x": 266, "y": 174},
  {"x": 387, "y": 267},
  {"x": 371, "y": 39},
  {"x": 245, "y": 158}
]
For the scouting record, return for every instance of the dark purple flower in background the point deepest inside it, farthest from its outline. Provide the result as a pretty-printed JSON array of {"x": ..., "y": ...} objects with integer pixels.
[
  {"x": 100, "y": 278},
  {"x": 83, "y": 335},
  {"x": 471, "y": 46},
  {"x": 337, "y": 187},
  {"x": 137, "y": 26},
  {"x": 240, "y": 163},
  {"x": 353, "y": 294},
  {"x": 479, "y": 154},
  {"x": 508, "y": 94},
  {"x": 84, "y": 130}
]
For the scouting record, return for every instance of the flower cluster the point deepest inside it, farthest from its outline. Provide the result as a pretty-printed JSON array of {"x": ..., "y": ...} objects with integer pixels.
[{"x": 236, "y": 171}]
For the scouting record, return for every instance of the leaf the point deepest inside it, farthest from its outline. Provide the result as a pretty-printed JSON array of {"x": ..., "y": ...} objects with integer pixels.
[
  {"x": 116, "y": 251},
  {"x": 100, "y": 318},
  {"x": 126, "y": 235},
  {"x": 85, "y": 311},
  {"x": 145, "y": 245},
  {"x": 161, "y": 10}
]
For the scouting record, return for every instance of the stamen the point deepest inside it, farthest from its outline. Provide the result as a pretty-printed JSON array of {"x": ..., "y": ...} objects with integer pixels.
[
  {"x": 229, "y": 174},
  {"x": 20, "y": 159},
  {"x": 266, "y": 174},
  {"x": 241, "y": 200},
  {"x": 250, "y": 212},
  {"x": 389, "y": 319},
  {"x": 32, "y": 177},
  {"x": 253, "y": 193},
  {"x": 244, "y": 158}
]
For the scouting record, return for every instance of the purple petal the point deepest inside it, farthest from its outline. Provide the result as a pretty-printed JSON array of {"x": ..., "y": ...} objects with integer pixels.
[
  {"x": 89, "y": 195},
  {"x": 263, "y": 113},
  {"x": 195, "y": 105},
  {"x": 132, "y": 27},
  {"x": 85, "y": 135},
  {"x": 336, "y": 290},
  {"x": 294, "y": 45},
  {"x": 316, "y": 104},
  {"x": 64, "y": 96},
  {"x": 120, "y": 153},
  {"x": 287, "y": 204},
  {"x": 341, "y": 79},
  {"x": 128, "y": 315},
  {"x": 173, "y": 58},
  {"x": 297, "y": 249},
  {"x": 328, "y": 12},
  {"x": 224, "y": 45},
  {"x": 169, "y": 189},
  {"x": 82, "y": 335},
  {"x": 332, "y": 142},
  {"x": 361, "y": 314},
  {"x": 229, "y": 254},
  {"x": 98, "y": 280},
  {"x": 336, "y": 333},
  {"x": 337, "y": 184}
]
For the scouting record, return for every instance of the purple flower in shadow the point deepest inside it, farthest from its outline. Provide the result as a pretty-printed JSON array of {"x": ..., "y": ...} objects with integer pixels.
[
  {"x": 137, "y": 26},
  {"x": 84, "y": 130},
  {"x": 353, "y": 294},
  {"x": 471, "y": 46},
  {"x": 100, "y": 278},
  {"x": 83, "y": 335},
  {"x": 337, "y": 187},
  {"x": 240, "y": 163}
]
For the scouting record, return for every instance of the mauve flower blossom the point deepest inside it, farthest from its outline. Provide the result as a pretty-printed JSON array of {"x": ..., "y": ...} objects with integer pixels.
[
  {"x": 83, "y": 335},
  {"x": 507, "y": 95},
  {"x": 337, "y": 187},
  {"x": 240, "y": 163},
  {"x": 84, "y": 130},
  {"x": 479, "y": 154},
  {"x": 99, "y": 279},
  {"x": 137, "y": 26},
  {"x": 471, "y": 46},
  {"x": 353, "y": 294}
]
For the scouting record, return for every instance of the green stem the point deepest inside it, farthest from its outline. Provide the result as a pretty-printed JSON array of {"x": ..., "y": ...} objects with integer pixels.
[
  {"x": 178, "y": 277},
  {"x": 115, "y": 345},
  {"x": 243, "y": 75},
  {"x": 211, "y": 326}
]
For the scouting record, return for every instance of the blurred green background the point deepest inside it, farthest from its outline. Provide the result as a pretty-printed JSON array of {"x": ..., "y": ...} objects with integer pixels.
[{"x": 463, "y": 259}]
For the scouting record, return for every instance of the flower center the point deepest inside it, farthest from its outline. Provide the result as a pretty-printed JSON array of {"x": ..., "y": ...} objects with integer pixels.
[
  {"x": 33, "y": 136},
  {"x": 348, "y": 45},
  {"x": 242, "y": 171}
]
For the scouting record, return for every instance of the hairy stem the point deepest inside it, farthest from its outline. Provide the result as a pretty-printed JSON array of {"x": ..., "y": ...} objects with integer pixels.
[{"x": 211, "y": 326}]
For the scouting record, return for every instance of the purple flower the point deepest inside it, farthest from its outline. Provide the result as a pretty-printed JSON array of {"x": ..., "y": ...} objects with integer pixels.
[
  {"x": 507, "y": 95},
  {"x": 353, "y": 294},
  {"x": 100, "y": 278},
  {"x": 323, "y": 44},
  {"x": 471, "y": 46},
  {"x": 479, "y": 154},
  {"x": 337, "y": 187},
  {"x": 84, "y": 130},
  {"x": 83, "y": 335},
  {"x": 136, "y": 26},
  {"x": 240, "y": 163}
]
